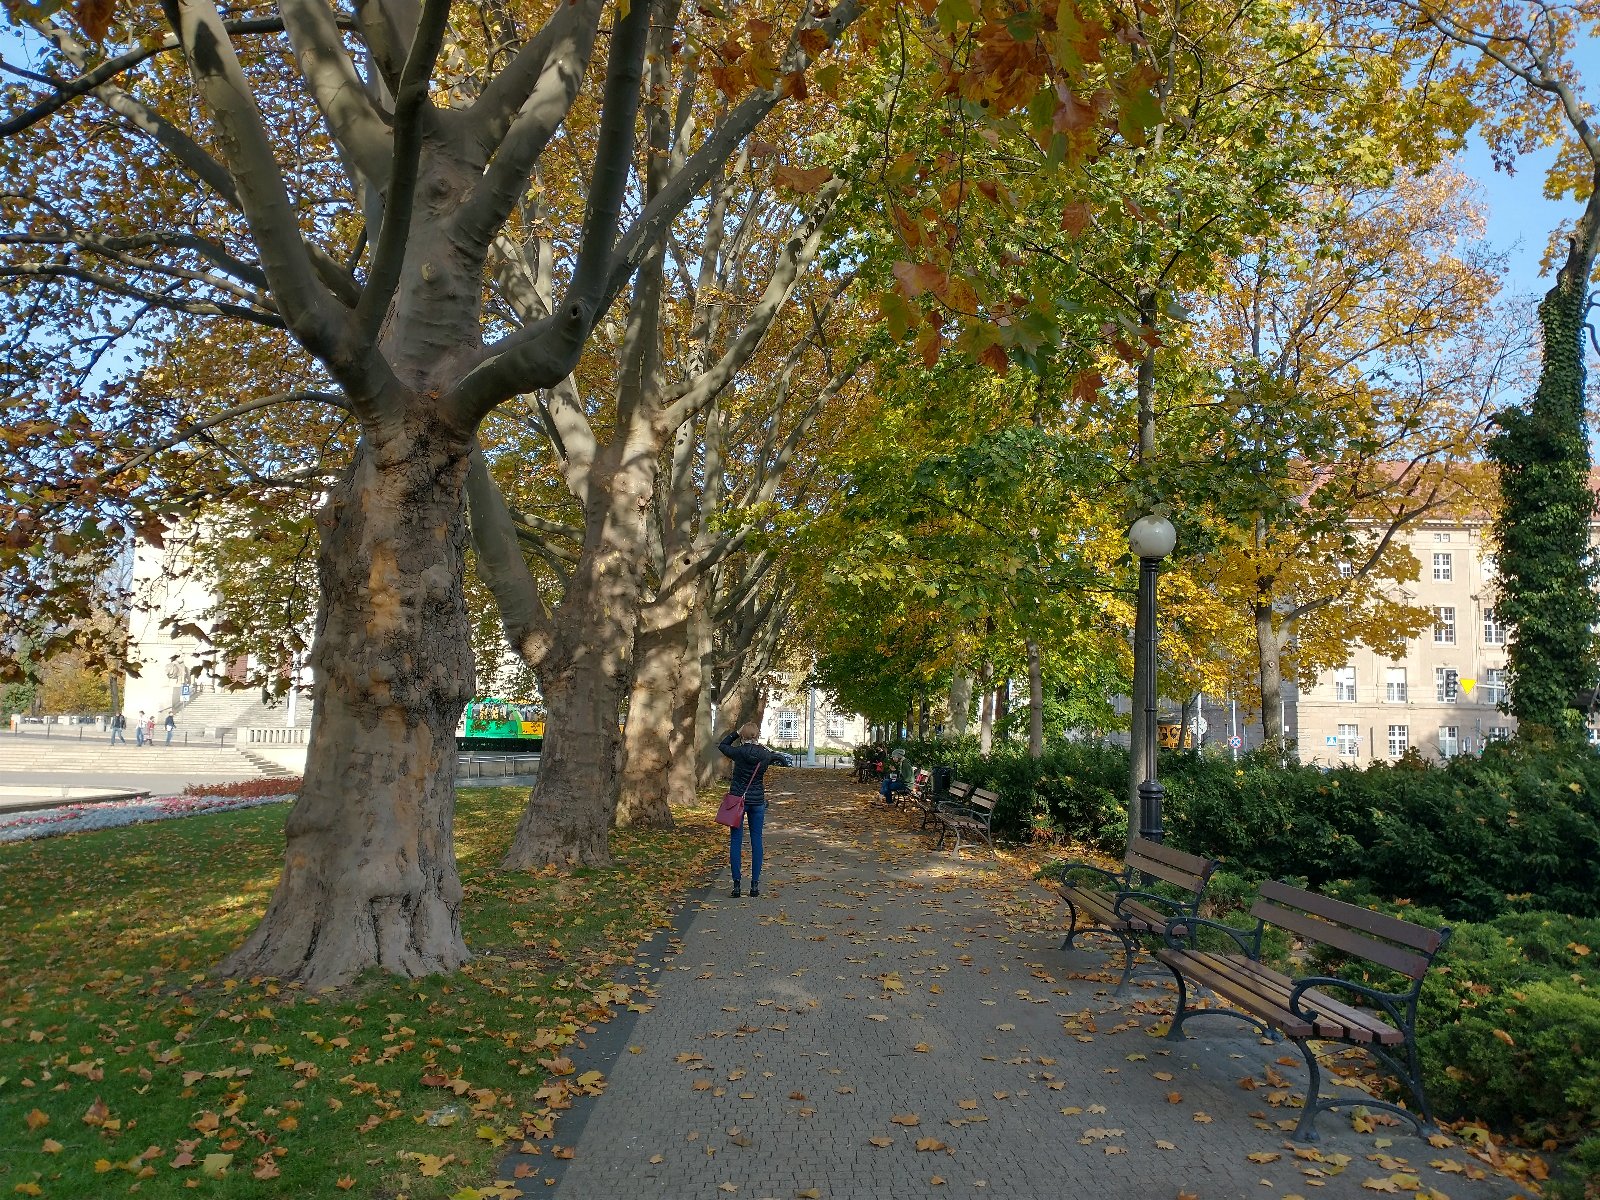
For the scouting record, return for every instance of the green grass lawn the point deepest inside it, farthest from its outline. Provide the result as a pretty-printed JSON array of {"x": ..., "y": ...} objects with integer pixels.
[{"x": 126, "y": 1069}]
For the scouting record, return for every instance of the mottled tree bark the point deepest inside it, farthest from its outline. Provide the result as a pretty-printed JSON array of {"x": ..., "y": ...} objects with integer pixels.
[
  {"x": 960, "y": 701},
  {"x": 1035, "y": 702},
  {"x": 369, "y": 876}
]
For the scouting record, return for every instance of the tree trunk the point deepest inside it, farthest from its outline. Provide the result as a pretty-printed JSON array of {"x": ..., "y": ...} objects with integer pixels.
[
  {"x": 922, "y": 718},
  {"x": 1002, "y": 704},
  {"x": 369, "y": 876},
  {"x": 986, "y": 712},
  {"x": 1269, "y": 651},
  {"x": 1035, "y": 702},
  {"x": 584, "y": 675},
  {"x": 960, "y": 701},
  {"x": 661, "y": 660},
  {"x": 683, "y": 745}
]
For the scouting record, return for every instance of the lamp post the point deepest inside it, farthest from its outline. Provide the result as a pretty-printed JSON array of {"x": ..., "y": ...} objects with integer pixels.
[{"x": 1151, "y": 539}]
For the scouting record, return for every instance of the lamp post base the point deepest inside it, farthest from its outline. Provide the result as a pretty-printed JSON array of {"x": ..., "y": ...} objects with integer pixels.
[{"x": 1151, "y": 795}]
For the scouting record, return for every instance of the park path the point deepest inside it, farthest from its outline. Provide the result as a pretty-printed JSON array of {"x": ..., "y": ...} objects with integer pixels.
[{"x": 871, "y": 1026}]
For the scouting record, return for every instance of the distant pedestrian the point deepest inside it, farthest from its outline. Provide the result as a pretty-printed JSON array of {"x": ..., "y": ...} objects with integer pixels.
[
  {"x": 150, "y": 730},
  {"x": 118, "y": 724},
  {"x": 750, "y": 761},
  {"x": 138, "y": 729},
  {"x": 171, "y": 725}
]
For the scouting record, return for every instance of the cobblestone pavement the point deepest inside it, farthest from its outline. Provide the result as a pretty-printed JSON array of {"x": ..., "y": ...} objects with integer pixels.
[{"x": 869, "y": 1027}]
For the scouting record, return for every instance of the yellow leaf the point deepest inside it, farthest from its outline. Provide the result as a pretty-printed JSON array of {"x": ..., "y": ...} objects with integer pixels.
[
  {"x": 29, "y": 1189},
  {"x": 907, "y": 1119},
  {"x": 216, "y": 1165},
  {"x": 51, "y": 1146},
  {"x": 930, "y": 1144},
  {"x": 880, "y": 1141},
  {"x": 1264, "y": 1156},
  {"x": 36, "y": 1120}
]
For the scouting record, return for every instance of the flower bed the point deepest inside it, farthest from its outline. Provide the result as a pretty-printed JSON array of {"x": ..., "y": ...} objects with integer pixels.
[{"x": 78, "y": 818}]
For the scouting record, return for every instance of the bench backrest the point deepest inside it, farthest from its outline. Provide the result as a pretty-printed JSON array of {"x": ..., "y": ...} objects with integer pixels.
[
  {"x": 982, "y": 803},
  {"x": 960, "y": 790},
  {"x": 1404, "y": 947},
  {"x": 1177, "y": 867}
]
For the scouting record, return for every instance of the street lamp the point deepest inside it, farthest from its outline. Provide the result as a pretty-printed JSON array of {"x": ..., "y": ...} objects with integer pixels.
[{"x": 1151, "y": 539}]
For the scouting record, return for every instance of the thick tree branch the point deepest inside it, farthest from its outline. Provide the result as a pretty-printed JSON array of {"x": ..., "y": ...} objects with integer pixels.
[
  {"x": 546, "y": 352},
  {"x": 503, "y": 569},
  {"x": 343, "y": 99},
  {"x": 308, "y": 308},
  {"x": 411, "y": 114}
]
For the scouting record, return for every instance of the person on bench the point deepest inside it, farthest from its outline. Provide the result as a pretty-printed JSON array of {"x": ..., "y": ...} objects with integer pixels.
[{"x": 894, "y": 783}]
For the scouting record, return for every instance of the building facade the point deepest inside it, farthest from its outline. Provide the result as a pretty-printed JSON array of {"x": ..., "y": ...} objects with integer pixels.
[{"x": 1442, "y": 697}]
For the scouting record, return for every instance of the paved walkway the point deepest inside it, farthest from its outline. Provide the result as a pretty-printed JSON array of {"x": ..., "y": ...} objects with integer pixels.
[{"x": 871, "y": 1027}]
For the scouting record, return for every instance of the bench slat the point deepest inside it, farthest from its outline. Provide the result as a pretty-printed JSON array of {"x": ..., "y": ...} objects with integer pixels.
[
  {"x": 1102, "y": 905},
  {"x": 1360, "y": 1025},
  {"x": 1245, "y": 991},
  {"x": 1398, "y": 959},
  {"x": 1382, "y": 925},
  {"x": 1182, "y": 860},
  {"x": 1192, "y": 881}
]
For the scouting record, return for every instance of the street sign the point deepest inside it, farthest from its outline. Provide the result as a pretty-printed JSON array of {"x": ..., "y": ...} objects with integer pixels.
[
  {"x": 1331, "y": 740},
  {"x": 1235, "y": 741},
  {"x": 185, "y": 691}
]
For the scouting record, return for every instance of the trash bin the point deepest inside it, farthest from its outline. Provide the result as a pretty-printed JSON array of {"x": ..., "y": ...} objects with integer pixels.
[{"x": 943, "y": 777}]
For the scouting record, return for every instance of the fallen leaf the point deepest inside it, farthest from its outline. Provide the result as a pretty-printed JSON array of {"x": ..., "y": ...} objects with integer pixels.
[
  {"x": 1264, "y": 1156},
  {"x": 880, "y": 1141},
  {"x": 930, "y": 1143},
  {"x": 907, "y": 1119},
  {"x": 216, "y": 1165}
]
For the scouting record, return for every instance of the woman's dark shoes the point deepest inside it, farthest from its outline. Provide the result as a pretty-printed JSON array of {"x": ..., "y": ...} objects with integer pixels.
[
  {"x": 755, "y": 888},
  {"x": 737, "y": 893}
]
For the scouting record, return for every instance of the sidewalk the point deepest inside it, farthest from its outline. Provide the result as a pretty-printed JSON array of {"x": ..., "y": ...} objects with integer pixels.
[{"x": 869, "y": 1027}]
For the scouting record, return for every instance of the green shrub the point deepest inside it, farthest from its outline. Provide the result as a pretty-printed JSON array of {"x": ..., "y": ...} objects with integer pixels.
[{"x": 1518, "y": 828}]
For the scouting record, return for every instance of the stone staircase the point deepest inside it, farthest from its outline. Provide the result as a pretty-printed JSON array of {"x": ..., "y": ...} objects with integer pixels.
[{"x": 65, "y": 752}]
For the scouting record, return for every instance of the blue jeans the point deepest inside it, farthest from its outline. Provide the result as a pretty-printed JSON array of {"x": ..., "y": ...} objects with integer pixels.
[
  {"x": 756, "y": 815},
  {"x": 892, "y": 786}
]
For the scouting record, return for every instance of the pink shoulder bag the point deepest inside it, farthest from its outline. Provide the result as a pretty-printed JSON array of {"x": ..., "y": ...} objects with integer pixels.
[{"x": 731, "y": 813}]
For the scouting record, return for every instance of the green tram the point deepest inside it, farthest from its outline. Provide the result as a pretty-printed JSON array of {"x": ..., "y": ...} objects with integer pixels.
[{"x": 503, "y": 725}]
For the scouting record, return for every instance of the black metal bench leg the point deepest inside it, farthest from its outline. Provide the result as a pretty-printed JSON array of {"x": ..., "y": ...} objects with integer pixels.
[
  {"x": 1175, "y": 1030},
  {"x": 1306, "y": 1130},
  {"x": 1072, "y": 924},
  {"x": 1128, "y": 948}
]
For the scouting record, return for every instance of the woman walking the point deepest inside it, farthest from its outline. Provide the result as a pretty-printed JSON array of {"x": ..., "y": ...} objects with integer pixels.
[{"x": 750, "y": 762}]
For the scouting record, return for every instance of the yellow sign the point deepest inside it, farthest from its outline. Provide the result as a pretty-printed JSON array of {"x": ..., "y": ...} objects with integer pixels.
[{"x": 1468, "y": 684}]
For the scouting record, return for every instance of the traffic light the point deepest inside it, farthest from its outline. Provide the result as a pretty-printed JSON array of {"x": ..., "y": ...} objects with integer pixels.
[{"x": 1452, "y": 686}]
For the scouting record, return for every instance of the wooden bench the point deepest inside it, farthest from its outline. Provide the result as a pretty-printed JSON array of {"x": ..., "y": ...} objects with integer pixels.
[
  {"x": 1299, "y": 1007},
  {"x": 1122, "y": 906},
  {"x": 929, "y": 802},
  {"x": 969, "y": 823}
]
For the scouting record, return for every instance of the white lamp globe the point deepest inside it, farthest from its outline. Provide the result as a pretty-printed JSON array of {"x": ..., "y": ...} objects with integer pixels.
[{"x": 1152, "y": 537}]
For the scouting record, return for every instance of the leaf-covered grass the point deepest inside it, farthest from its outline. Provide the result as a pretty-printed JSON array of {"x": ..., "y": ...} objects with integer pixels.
[{"x": 126, "y": 1069}]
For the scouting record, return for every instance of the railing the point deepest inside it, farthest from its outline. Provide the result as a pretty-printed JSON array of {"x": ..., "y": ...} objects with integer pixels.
[
  {"x": 498, "y": 767},
  {"x": 276, "y": 735}
]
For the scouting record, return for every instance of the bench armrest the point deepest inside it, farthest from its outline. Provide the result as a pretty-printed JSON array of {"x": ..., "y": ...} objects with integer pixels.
[
  {"x": 1180, "y": 931},
  {"x": 1390, "y": 1002},
  {"x": 1060, "y": 870},
  {"x": 1168, "y": 902}
]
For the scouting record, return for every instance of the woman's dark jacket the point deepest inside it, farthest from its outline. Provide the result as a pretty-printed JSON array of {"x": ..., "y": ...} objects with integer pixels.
[{"x": 747, "y": 757}]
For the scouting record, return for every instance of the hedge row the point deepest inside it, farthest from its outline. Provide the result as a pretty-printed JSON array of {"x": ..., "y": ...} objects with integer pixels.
[{"x": 1517, "y": 829}]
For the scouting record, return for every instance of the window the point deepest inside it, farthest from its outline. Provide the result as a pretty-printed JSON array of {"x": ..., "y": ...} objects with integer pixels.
[
  {"x": 788, "y": 725},
  {"x": 1444, "y": 626},
  {"x": 1494, "y": 633},
  {"x": 1497, "y": 733},
  {"x": 1449, "y": 741},
  {"x": 1394, "y": 687},
  {"x": 1493, "y": 685},
  {"x": 1344, "y": 683},
  {"x": 1441, "y": 537},
  {"x": 1347, "y": 569},
  {"x": 1444, "y": 569},
  {"x": 1398, "y": 740},
  {"x": 835, "y": 728},
  {"x": 1446, "y": 685},
  {"x": 1349, "y": 741}
]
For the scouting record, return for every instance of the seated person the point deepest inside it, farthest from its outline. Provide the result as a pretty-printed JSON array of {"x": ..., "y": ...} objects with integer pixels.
[{"x": 894, "y": 783}]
